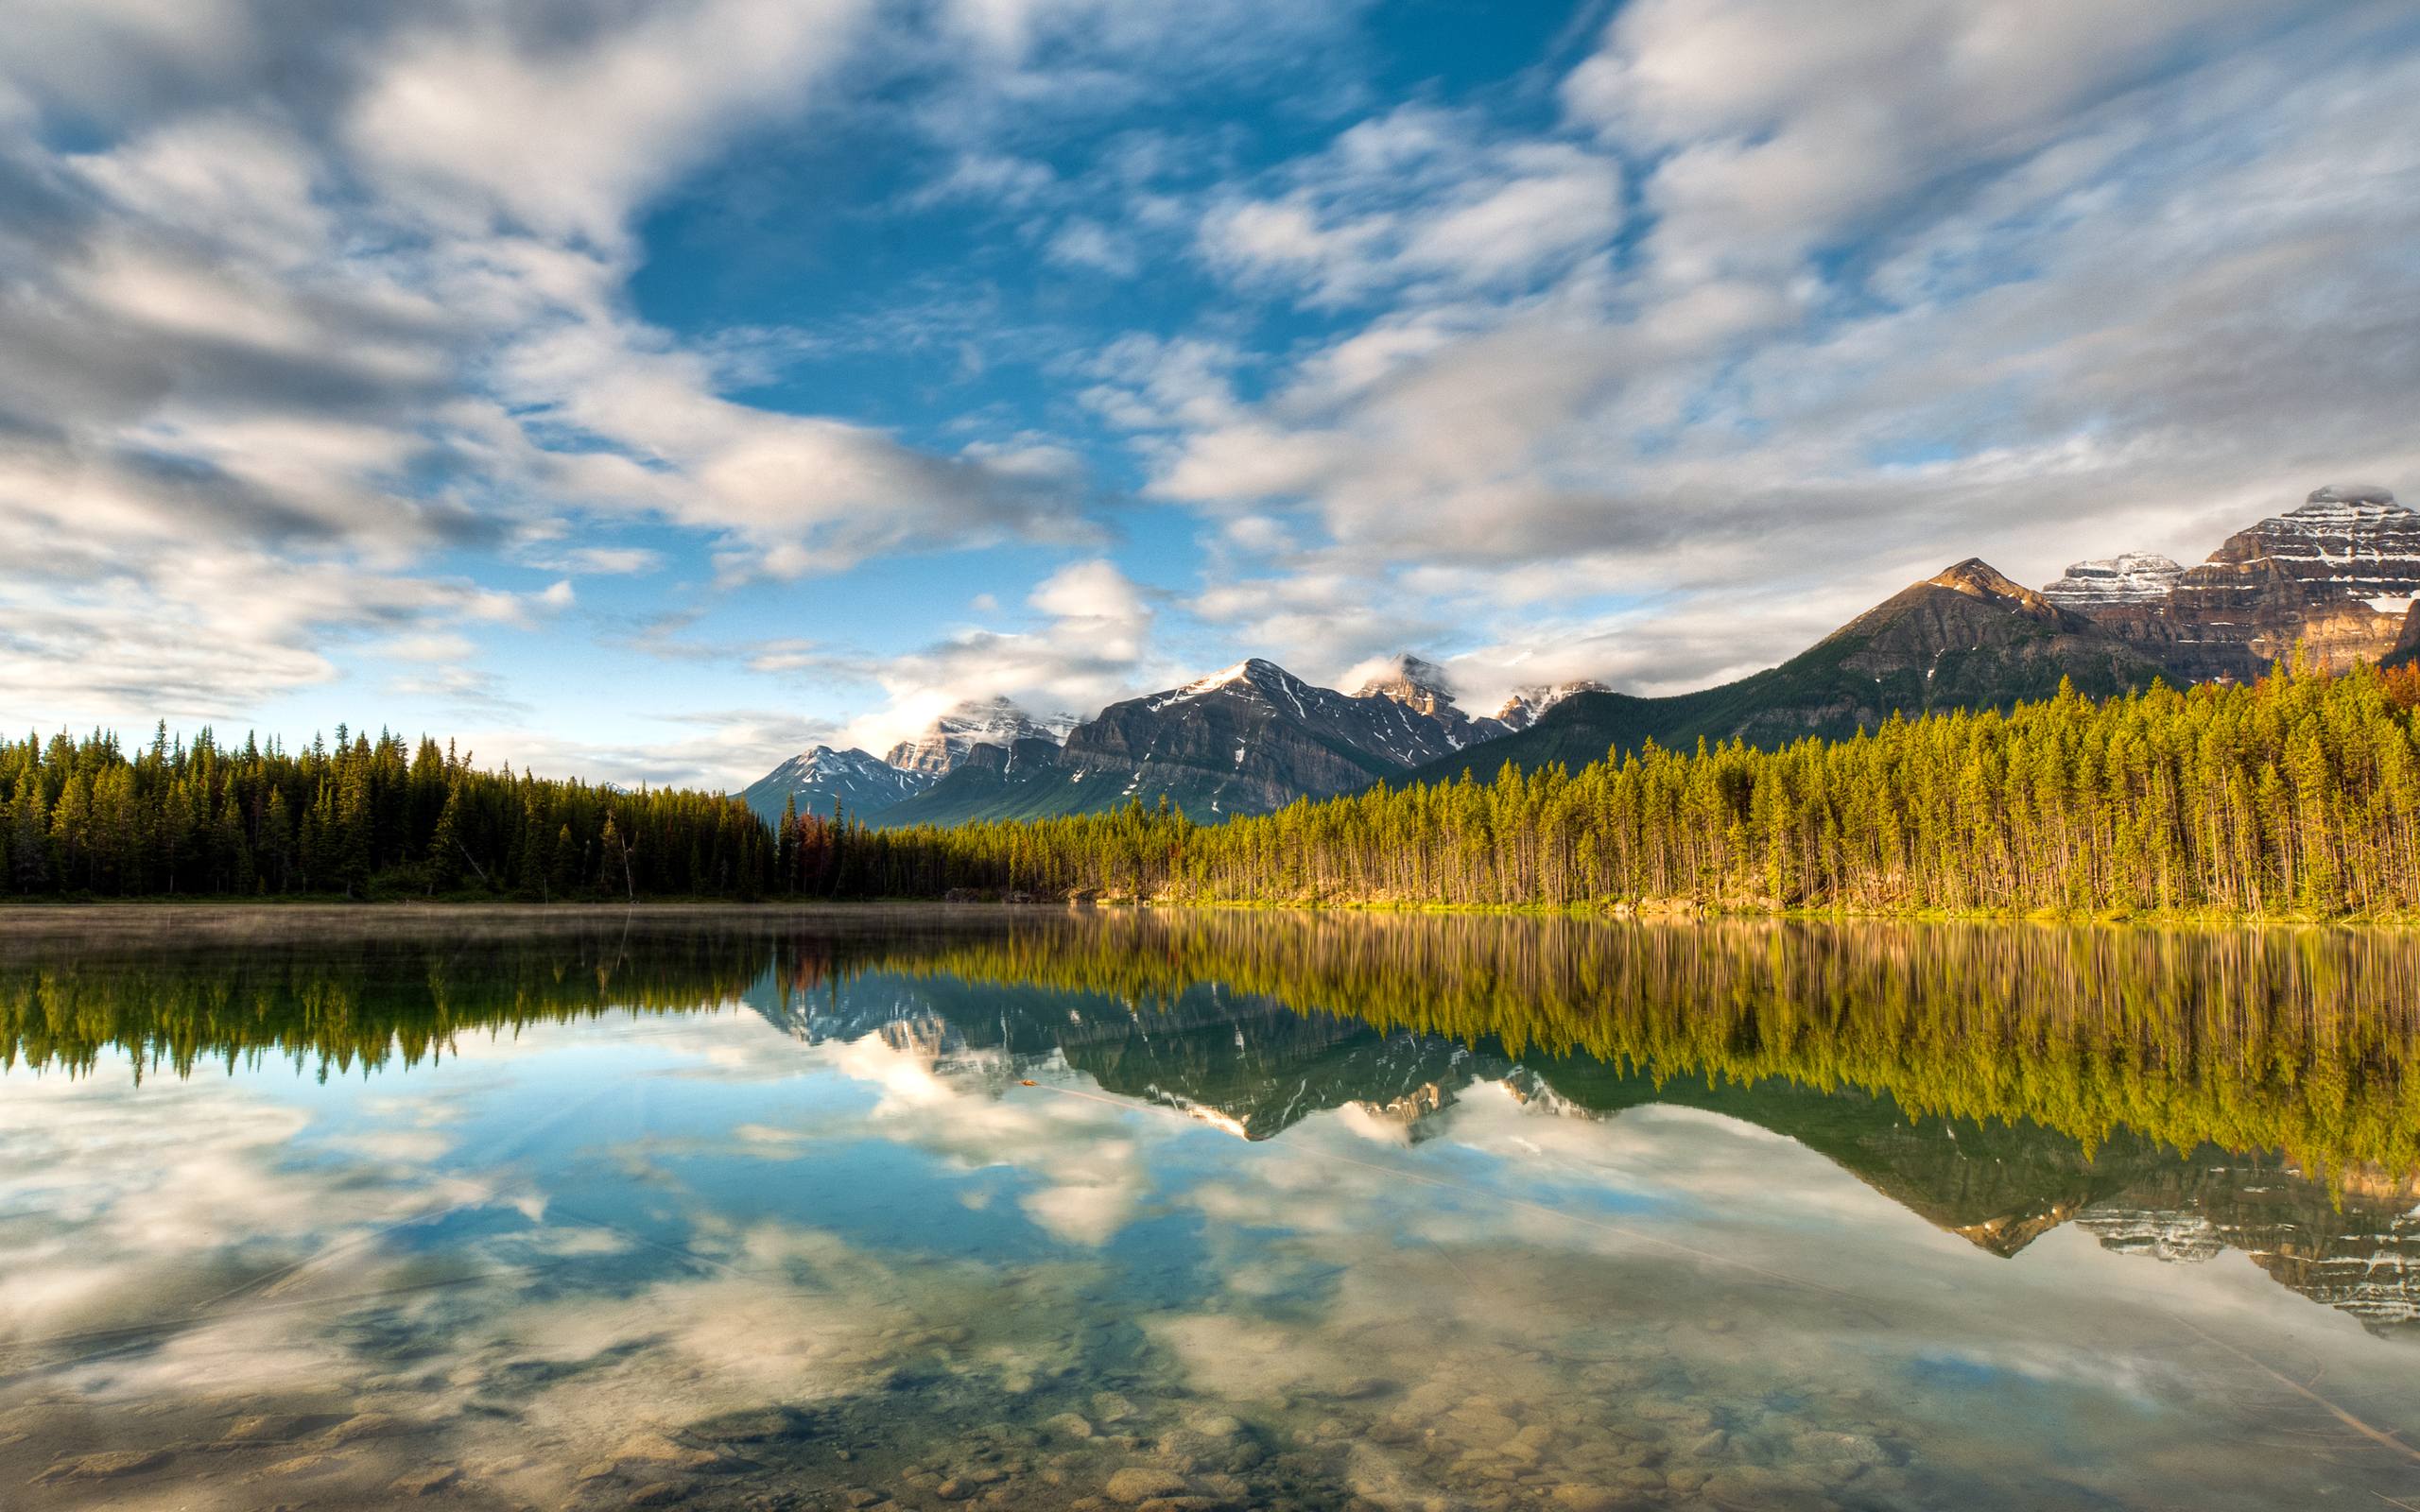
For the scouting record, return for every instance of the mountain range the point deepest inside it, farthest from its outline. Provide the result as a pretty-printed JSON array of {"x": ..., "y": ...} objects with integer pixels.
[{"x": 2338, "y": 577}]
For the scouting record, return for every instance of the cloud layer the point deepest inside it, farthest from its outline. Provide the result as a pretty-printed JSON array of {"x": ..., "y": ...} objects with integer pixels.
[{"x": 881, "y": 358}]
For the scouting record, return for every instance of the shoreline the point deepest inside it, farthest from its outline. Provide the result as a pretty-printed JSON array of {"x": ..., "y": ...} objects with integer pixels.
[{"x": 14, "y": 911}]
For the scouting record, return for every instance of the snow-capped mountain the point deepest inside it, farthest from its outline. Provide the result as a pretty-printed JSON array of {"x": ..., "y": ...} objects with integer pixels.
[
  {"x": 1414, "y": 681},
  {"x": 1426, "y": 688},
  {"x": 1254, "y": 737},
  {"x": 2130, "y": 577},
  {"x": 817, "y": 779},
  {"x": 2338, "y": 577},
  {"x": 1531, "y": 701},
  {"x": 1246, "y": 739},
  {"x": 978, "y": 722}
]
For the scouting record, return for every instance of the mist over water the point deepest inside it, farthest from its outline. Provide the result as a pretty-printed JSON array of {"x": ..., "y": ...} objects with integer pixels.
[{"x": 1023, "y": 1208}]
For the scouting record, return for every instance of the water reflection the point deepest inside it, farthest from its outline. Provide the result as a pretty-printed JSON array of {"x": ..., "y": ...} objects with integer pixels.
[{"x": 1525, "y": 1212}]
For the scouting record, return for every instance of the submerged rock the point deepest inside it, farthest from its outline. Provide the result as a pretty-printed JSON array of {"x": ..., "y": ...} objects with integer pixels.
[
  {"x": 1067, "y": 1425},
  {"x": 1749, "y": 1489},
  {"x": 1138, "y": 1483},
  {"x": 106, "y": 1465},
  {"x": 425, "y": 1482}
]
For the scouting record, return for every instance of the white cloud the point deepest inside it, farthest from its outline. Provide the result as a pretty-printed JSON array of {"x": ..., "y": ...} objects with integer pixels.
[
  {"x": 1422, "y": 201},
  {"x": 1094, "y": 644},
  {"x": 1773, "y": 310},
  {"x": 1902, "y": 292},
  {"x": 563, "y": 135},
  {"x": 321, "y": 266},
  {"x": 1088, "y": 244}
]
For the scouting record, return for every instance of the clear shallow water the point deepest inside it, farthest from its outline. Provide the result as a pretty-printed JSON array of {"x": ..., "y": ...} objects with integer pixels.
[{"x": 996, "y": 1207}]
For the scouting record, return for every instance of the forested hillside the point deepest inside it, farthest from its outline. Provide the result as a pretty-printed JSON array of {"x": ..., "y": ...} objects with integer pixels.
[
  {"x": 2295, "y": 795},
  {"x": 2298, "y": 794}
]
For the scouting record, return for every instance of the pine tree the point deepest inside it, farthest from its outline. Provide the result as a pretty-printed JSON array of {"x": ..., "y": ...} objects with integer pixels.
[{"x": 446, "y": 850}]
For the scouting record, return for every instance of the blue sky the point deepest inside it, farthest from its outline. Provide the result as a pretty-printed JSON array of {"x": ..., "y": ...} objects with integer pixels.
[{"x": 646, "y": 391}]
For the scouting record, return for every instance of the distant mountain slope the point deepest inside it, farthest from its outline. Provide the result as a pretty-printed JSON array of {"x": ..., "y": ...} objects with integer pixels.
[
  {"x": 1017, "y": 782},
  {"x": 1968, "y": 638},
  {"x": 817, "y": 778}
]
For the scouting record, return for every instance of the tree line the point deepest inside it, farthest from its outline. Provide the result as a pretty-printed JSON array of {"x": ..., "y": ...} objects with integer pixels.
[
  {"x": 355, "y": 817},
  {"x": 2296, "y": 795}
]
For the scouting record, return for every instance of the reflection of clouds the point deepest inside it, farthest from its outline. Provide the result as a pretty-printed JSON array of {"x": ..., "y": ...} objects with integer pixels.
[
  {"x": 1514, "y": 1266},
  {"x": 138, "y": 1189},
  {"x": 1367, "y": 1123},
  {"x": 400, "y": 1147},
  {"x": 130, "y": 1198},
  {"x": 1566, "y": 1267},
  {"x": 1086, "y": 1152}
]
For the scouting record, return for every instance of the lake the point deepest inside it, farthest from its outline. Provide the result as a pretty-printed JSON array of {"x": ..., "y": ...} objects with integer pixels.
[{"x": 1031, "y": 1208}]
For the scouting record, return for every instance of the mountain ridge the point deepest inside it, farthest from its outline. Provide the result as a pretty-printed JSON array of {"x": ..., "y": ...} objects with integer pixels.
[{"x": 2338, "y": 575}]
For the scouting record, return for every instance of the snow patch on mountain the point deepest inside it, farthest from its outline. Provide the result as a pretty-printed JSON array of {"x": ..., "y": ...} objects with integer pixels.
[
  {"x": 2129, "y": 578},
  {"x": 1529, "y": 703},
  {"x": 820, "y": 778},
  {"x": 1410, "y": 680}
]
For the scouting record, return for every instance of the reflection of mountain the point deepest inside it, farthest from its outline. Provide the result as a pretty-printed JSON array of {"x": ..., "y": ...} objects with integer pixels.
[
  {"x": 1998, "y": 1081},
  {"x": 2359, "y": 1253},
  {"x": 1254, "y": 1069}
]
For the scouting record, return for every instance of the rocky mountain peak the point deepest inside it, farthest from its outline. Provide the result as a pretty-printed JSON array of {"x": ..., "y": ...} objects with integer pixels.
[
  {"x": 1414, "y": 681},
  {"x": 945, "y": 742},
  {"x": 2337, "y": 531},
  {"x": 1528, "y": 702},
  {"x": 1250, "y": 678},
  {"x": 817, "y": 778},
  {"x": 2365, "y": 501},
  {"x": 1977, "y": 578},
  {"x": 2129, "y": 578},
  {"x": 2334, "y": 578}
]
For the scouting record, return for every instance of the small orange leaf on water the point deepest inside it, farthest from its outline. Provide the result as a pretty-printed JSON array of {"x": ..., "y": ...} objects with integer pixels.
[{"x": 1025, "y": 1084}]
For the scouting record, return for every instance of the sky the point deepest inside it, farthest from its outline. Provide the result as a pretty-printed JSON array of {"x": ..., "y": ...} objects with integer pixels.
[{"x": 648, "y": 389}]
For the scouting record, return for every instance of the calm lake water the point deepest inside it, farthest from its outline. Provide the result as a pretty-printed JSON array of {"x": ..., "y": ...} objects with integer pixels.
[{"x": 1030, "y": 1208}]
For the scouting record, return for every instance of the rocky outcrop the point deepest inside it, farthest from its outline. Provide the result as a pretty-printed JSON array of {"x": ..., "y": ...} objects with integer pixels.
[{"x": 1026, "y": 753}]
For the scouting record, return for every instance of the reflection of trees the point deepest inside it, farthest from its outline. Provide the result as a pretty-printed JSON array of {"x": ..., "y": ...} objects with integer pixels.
[
  {"x": 2298, "y": 1040},
  {"x": 368, "y": 1000},
  {"x": 2246, "y": 1038}
]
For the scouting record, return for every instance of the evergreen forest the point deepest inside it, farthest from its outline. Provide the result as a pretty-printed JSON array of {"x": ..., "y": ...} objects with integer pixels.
[{"x": 2295, "y": 796}]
